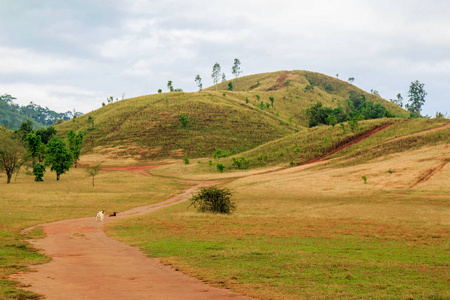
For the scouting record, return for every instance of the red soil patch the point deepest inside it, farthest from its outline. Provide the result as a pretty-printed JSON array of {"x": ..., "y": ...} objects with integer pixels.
[{"x": 352, "y": 142}]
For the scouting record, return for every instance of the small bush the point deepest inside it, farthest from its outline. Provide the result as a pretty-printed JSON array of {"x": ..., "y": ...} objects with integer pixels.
[
  {"x": 220, "y": 168},
  {"x": 38, "y": 171},
  {"x": 364, "y": 178},
  {"x": 186, "y": 160},
  {"x": 213, "y": 199}
]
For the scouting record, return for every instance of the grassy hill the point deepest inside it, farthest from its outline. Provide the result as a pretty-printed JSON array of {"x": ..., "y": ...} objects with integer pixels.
[{"x": 260, "y": 109}]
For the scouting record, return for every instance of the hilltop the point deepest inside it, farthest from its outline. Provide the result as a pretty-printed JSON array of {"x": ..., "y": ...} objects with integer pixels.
[{"x": 261, "y": 108}]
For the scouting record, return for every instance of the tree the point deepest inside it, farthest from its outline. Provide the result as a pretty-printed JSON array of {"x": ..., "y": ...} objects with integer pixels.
[
  {"x": 184, "y": 121},
  {"x": 90, "y": 120},
  {"x": 75, "y": 144},
  {"x": 216, "y": 74},
  {"x": 399, "y": 100},
  {"x": 46, "y": 134},
  {"x": 58, "y": 157},
  {"x": 34, "y": 145},
  {"x": 38, "y": 171},
  {"x": 170, "y": 85},
  {"x": 198, "y": 81},
  {"x": 93, "y": 171},
  {"x": 287, "y": 83},
  {"x": 24, "y": 129},
  {"x": 236, "y": 70},
  {"x": 224, "y": 78},
  {"x": 416, "y": 95},
  {"x": 351, "y": 79},
  {"x": 12, "y": 153}
]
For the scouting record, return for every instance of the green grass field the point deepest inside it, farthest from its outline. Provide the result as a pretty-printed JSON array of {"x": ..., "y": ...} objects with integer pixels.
[
  {"x": 311, "y": 235},
  {"x": 25, "y": 203},
  {"x": 368, "y": 222}
]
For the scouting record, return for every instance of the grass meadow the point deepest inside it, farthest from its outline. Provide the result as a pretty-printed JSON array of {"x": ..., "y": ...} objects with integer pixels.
[
  {"x": 25, "y": 203},
  {"x": 316, "y": 232},
  {"x": 371, "y": 222}
]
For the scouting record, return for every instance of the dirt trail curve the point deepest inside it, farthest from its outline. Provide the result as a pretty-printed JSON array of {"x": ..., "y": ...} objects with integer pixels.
[{"x": 86, "y": 264}]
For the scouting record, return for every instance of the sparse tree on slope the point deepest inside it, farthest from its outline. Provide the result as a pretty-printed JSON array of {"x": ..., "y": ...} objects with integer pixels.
[
  {"x": 198, "y": 81},
  {"x": 236, "y": 70},
  {"x": 416, "y": 95},
  {"x": 93, "y": 171},
  {"x": 216, "y": 74},
  {"x": 170, "y": 85}
]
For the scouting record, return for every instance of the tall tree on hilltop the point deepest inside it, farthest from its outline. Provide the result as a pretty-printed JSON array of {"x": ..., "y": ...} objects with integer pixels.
[
  {"x": 236, "y": 71},
  {"x": 170, "y": 86},
  {"x": 198, "y": 81},
  {"x": 216, "y": 72},
  {"x": 416, "y": 95}
]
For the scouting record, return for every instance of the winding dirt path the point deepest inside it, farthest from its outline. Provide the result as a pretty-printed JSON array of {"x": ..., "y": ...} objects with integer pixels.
[{"x": 87, "y": 264}]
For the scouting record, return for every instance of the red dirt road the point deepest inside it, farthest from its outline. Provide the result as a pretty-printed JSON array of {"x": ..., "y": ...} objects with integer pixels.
[{"x": 86, "y": 264}]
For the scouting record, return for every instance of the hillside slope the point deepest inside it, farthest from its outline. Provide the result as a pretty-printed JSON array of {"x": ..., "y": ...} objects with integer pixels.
[
  {"x": 261, "y": 108},
  {"x": 148, "y": 127},
  {"x": 295, "y": 91}
]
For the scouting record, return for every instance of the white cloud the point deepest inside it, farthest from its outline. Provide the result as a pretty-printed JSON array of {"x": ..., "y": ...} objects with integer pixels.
[
  {"x": 18, "y": 60},
  {"x": 56, "y": 97}
]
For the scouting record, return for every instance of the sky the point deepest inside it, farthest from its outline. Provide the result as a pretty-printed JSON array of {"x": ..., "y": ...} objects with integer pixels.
[{"x": 74, "y": 54}]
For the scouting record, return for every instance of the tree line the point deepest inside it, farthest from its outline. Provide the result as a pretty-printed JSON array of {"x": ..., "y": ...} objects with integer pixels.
[
  {"x": 358, "y": 108},
  {"x": 40, "y": 147},
  {"x": 13, "y": 115}
]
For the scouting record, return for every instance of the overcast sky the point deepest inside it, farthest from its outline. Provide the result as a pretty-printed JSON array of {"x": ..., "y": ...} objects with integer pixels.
[{"x": 73, "y": 54}]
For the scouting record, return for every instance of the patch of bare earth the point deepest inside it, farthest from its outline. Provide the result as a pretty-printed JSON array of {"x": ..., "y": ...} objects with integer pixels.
[{"x": 87, "y": 264}]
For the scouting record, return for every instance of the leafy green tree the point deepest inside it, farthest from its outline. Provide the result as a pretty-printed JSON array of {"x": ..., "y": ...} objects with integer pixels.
[
  {"x": 90, "y": 120},
  {"x": 38, "y": 171},
  {"x": 236, "y": 70},
  {"x": 24, "y": 129},
  {"x": 184, "y": 121},
  {"x": 12, "y": 153},
  {"x": 332, "y": 120},
  {"x": 46, "y": 134},
  {"x": 224, "y": 77},
  {"x": 198, "y": 81},
  {"x": 34, "y": 145},
  {"x": 93, "y": 171},
  {"x": 75, "y": 144},
  {"x": 416, "y": 96},
  {"x": 58, "y": 157},
  {"x": 272, "y": 99},
  {"x": 170, "y": 85},
  {"x": 287, "y": 84},
  {"x": 230, "y": 86},
  {"x": 351, "y": 79},
  {"x": 216, "y": 74}
]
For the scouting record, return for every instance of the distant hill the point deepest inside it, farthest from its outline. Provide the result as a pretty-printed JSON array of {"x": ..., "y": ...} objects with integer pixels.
[
  {"x": 13, "y": 115},
  {"x": 260, "y": 108}
]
